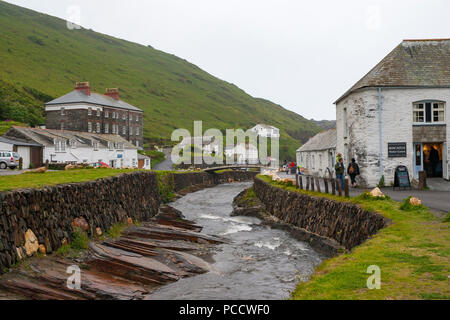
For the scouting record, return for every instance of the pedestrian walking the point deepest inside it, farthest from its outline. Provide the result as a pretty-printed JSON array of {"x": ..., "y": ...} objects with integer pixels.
[
  {"x": 340, "y": 173},
  {"x": 353, "y": 172}
]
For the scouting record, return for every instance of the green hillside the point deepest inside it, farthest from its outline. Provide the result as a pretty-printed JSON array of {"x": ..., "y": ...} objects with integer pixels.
[{"x": 41, "y": 58}]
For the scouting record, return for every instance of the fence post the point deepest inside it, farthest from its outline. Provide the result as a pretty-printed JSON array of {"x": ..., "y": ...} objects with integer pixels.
[
  {"x": 296, "y": 180},
  {"x": 339, "y": 187},
  {"x": 300, "y": 177},
  {"x": 318, "y": 184},
  {"x": 333, "y": 186},
  {"x": 312, "y": 184},
  {"x": 347, "y": 191},
  {"x": 307, "y": 183},
  {"x": 325, "y": 182}
]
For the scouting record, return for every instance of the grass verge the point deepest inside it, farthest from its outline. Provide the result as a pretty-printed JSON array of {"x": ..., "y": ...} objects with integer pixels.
[
  {"x": 39, "y": 180},
  {"x": 413, "y": 255}
]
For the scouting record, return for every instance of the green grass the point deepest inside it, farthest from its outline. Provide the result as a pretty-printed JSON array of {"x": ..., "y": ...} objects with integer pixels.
[
  {"x": 166, "y": 185},
  {"x": 38, "y": 180},
  {"x": 156, "y": 156},
  {"x": 41, "y": 58},
  {"x": 6, "y": 125},
  {"x": 412, "y": 254}
]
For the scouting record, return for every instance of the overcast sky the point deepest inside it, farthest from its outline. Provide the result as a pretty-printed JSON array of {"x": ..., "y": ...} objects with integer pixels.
[{"x": 300, "y": 54}]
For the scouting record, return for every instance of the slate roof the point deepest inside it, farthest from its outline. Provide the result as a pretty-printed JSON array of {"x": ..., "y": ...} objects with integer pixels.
[
  {"x": 77, "y": 96},
  {"x": 322, "y": 141},
  {"x": 19, "y": 143},
  {"x": 413, "y": 63},
  {"x": 46, "y": 137}
]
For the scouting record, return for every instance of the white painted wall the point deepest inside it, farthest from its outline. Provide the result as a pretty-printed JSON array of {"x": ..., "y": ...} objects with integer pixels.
[
  {"x": 317, "y": 162},
  {"x": 90, "y": 156},
  {"x": 25, "y": 154},
  {"x": 397, "y": 118}
]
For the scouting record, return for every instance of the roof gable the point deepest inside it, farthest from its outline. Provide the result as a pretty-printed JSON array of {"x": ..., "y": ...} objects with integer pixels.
[
  {"x": 413, "y": 63},
  {"x": 321, "y": 141}
]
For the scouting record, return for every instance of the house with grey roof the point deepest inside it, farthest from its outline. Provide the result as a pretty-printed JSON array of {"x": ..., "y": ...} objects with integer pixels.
[
  {"x": 318, "y": 155},
  {"x": 86, "y": 111},
  {"x": 30, "y": 152},
  {"x": 398, "y": 114},
  {"x": 74, "y": 147}
]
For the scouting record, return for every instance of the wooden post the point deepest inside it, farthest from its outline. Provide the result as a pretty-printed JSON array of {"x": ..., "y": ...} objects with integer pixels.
[
  {"x": 312, "y": 184},
  {"x": 347, "y": 191},
  {"x": 296, "y": 180},
  {"x": 307, "y": 183},
  {"x": 325, "y": 182},
  {"x": 318, "y": 184},
  {"x": 339, "y": 187},
  {"x": 300, "y": 177}
]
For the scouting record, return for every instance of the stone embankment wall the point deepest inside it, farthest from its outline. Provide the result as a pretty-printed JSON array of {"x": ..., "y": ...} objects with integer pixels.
[
  {"x": 50, "y": 212},
  {"x": 345, "y": 222},
  {"x": 33, "y": 218},
  {"x": 184, "y": 181}
]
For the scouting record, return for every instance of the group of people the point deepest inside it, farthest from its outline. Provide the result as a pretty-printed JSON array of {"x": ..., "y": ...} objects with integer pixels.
[
  {"x": 352, "y": 171},
  {"x": 289, "y": 168}
]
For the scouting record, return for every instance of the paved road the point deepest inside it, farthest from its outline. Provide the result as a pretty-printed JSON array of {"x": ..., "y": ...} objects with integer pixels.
[
  {"x": 167, "y": 164},
  {"x": 10, "y": 172},
  {"x": 437, "y": 201}
]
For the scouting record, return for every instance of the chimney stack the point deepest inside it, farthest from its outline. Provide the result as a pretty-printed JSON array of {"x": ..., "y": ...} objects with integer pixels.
[
  {"x": 113, "y": 93},
  {"x": 84, "y": 87}
]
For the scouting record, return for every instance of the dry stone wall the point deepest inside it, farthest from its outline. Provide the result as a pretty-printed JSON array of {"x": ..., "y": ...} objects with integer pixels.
[{"x": 345, "y": 222}]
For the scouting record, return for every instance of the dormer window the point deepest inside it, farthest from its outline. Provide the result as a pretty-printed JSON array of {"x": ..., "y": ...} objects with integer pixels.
[
  {"x": 95, "y": 144},
  {"x": 60, "y": 146},
  {"x": 99, "y": 112},
  {"x": 119, "y": 146},
  {"x": 111, "y": 146},
  {"x": 89, "y": 111},
  {"x": 429, "y": 112},
  {"x": 73, "y": 144},
  {"x": 106, "y": 114}
]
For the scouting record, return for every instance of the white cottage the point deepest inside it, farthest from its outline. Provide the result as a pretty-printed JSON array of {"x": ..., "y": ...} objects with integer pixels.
[
  {"x": 398, "y": 114},
  {"x": 243, "y": 153},
  {"x": 318, "y": 155},
  {"x": 266, "y": 131},
  {"x": 78, "y": 147}
]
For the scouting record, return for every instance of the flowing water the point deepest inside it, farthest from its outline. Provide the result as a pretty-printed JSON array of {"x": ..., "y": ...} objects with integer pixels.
[{"x": 259, "y": 263}]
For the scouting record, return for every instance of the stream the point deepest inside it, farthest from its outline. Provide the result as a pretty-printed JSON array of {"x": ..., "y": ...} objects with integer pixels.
[{"x": 258, "y": 263}]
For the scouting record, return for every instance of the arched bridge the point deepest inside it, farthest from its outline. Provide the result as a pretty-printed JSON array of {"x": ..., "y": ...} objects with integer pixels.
[{"x": 235, "y": 166}]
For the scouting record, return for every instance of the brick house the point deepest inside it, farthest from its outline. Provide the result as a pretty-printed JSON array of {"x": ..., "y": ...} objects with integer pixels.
[
  {"x": 398, "y": 114},
  {"x": 86, "y": 111}
]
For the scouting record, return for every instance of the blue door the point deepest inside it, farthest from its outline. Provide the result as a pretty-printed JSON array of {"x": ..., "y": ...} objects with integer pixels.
[{"x": 418, "y": 159}]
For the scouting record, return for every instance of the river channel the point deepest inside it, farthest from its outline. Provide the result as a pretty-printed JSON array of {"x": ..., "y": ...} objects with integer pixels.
[{"x": 258, "y": 263}]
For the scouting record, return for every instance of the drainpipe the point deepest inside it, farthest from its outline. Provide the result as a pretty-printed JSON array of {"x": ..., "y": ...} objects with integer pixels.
[{"x": 380, "y": 124}]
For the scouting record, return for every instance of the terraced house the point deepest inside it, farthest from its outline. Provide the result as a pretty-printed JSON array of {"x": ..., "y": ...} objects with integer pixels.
[
  {"x": 398, "y": 114},
  {"x": 86, "y": 111}
]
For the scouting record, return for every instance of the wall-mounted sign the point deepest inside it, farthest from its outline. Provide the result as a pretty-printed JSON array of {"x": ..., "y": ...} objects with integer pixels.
[
  {"x": 119, "y": 156},
  {"x": 397, "y": 150}
]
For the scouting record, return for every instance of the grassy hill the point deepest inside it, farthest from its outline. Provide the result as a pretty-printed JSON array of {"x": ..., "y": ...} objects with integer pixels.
[{"x": 41, "y": 58}]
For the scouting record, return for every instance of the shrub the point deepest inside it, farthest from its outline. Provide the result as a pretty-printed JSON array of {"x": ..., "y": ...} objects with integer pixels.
[
  {"x": 381, "y": 184},
  {"x": 407, "y": 206},
  {"x": 80, "y": 240}
]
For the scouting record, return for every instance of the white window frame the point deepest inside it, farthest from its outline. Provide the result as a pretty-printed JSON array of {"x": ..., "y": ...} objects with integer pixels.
[
  {"x": 106, "y": 114},
  {"x": 124, "y": 130},
  {"x": 95, "y": 144},
  {"x": 107, "y": 128},
  {"x": 99, "y": 112},
  {"x": 420, "y": 112},
  {"x": 99, "y": 127},
  {"x": 137, "y": 131},
  {"x": 90, "y": 127},
  {"x": 60, "y": 146},
  {"x": 131, "y": 131},
  {"x": 73, "y": 143}
]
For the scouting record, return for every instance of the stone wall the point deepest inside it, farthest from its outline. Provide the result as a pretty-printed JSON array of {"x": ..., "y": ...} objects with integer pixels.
[
  {"x": 345, "y": 222},
  {"x": 50, "y": 211},
  {"x": 202, "y": 179}
]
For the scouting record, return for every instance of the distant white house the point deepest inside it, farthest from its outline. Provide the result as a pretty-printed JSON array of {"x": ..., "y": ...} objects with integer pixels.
[
  {"x": 266, "y": 131},
  {"x": 319, "y": 153},
  {"x": 78, "y": 147},
  {"x": 144, "y": 162},
  {"x": 243, "y": 153}
]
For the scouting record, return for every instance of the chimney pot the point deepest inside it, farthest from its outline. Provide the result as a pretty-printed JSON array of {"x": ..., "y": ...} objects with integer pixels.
[
  {"x": 84, "y": 87},
  {"x": 113, "y": 93}
]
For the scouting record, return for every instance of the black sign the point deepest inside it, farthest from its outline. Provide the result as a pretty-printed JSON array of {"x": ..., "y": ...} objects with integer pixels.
[
  {"x": 402, "y": 178},
  {"x": 397, "y": 150}
]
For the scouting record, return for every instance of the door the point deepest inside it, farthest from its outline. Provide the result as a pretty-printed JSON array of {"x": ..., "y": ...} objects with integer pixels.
[
  {"x": 445, "y": 161},
  {"x": 418, "y": 159}
]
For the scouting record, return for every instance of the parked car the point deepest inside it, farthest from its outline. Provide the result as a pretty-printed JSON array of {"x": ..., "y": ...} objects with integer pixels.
[{"x": 9, "y": 159}]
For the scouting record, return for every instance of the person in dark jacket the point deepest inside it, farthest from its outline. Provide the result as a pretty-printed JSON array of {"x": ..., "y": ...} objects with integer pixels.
[
  {"x": 353, "y": 172},
  {"x": 434, "y": 160},
  {"x": 340, "y": 173}
]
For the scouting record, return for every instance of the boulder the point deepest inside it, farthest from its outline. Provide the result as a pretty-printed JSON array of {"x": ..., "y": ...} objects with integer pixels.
[
  {"x": 80, "y": 223},
  {"x": 98, "y": 231},
  {"x": 130, "y": 221},
  {"x": 376, "y": 193},
  {"x": 415, "y": 202},
  {"x": 38, "y": 170},
  {"x": 42, "y": 249},
  {"x": 31, "y": 243}
]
